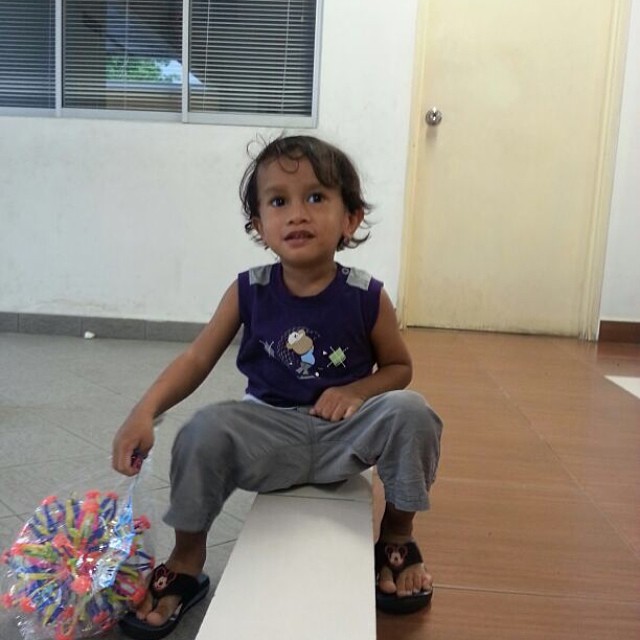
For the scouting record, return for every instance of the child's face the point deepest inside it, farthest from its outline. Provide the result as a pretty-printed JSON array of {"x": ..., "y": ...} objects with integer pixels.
[{"x": 301, "y": 220}]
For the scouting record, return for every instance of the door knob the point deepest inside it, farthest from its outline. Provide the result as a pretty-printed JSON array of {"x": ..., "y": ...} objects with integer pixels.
[{"x": 433, "y": 117}]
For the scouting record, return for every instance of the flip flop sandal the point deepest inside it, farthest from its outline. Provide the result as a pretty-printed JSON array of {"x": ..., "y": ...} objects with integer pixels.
[
  {"x": 398, "y": 557},
  {"x": 165, "y": 582}
]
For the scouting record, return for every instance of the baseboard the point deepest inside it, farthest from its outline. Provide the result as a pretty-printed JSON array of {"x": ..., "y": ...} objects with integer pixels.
[
  {"x": 173, "y": 331},
  {"x": 119, "y": 328},
  {"x": 619, "y": 331}
]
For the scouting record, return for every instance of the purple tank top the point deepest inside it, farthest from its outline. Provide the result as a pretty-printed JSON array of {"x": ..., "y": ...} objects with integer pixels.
[{"x": 294, "y": 348}]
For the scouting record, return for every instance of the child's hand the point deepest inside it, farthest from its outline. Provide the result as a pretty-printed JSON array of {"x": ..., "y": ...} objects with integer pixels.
[
  {"x": 131, "y": 444},
  {"x": 337, "y": 403}
]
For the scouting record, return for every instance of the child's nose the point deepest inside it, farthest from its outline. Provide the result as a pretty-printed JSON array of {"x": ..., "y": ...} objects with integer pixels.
[{"x": 298, "y": 213}]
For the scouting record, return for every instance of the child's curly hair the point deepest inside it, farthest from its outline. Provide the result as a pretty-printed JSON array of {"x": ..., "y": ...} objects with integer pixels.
[{"x": 332, "y": 167}]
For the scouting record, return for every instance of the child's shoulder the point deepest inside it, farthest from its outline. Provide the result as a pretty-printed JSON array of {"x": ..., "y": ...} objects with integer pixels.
[
  {"x": 358, "y": 278},
  {"x": 258, "y": 275}
]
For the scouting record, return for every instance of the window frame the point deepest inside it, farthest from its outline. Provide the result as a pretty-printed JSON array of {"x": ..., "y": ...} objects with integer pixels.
[{"x": 184, "y": 116}]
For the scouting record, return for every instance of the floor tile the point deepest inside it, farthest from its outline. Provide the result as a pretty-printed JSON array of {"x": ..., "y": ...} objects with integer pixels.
[
  {"x": 95, "y": 424},
  {"x": 480, "y": 615},
  {"x": 9, "y": 528},
  {"x": 621, "y": 505},
  {"x": 536, "y": 540},
  {"x": 4, "y": 510},
  {"x": 24, "y": 486},
  {"x": 27, "y": 431}
]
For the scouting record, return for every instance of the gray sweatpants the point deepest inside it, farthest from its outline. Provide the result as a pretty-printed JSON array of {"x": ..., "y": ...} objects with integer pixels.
[{"x": 256, "y": 447}]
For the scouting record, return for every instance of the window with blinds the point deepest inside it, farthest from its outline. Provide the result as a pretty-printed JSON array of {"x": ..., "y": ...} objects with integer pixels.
[
  {"x": 27, "y": 54},
  {"x": 122, "y": 54},
  {"x": 245, "y": 57},
  {"x": 251, "y": 56}
]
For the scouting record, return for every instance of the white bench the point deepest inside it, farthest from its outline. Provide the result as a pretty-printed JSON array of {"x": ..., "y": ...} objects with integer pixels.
[{"x": 302, "y": 568}]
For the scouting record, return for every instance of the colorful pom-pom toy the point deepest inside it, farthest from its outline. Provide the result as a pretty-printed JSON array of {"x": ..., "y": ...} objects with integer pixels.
[{"x": 76, "y": 567}]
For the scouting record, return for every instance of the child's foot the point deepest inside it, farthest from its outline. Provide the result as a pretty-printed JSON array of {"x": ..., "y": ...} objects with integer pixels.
[
  {"x": 156, "y": 614},
  {"x": 173, "y": 590},
  {"x": 400, "y": 567}
]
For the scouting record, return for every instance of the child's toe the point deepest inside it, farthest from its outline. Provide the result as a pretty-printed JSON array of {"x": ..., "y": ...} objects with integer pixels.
[
  {"x": 163, "y": 611},
  {"x": 385, "y": 582},
  {"x": 413, "y": 580},
  {"x": 145, "y": 607}
]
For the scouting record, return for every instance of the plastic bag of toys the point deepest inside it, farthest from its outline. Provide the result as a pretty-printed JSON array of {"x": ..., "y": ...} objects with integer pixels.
[{"x": 79, "y": 563}]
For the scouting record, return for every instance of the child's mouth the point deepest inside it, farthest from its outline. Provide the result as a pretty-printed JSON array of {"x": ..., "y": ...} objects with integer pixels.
[{"x": 297, "y": 236}]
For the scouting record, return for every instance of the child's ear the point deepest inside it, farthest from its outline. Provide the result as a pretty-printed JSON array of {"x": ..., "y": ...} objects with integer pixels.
[
  {"x": 256, "y": 223},
  {"x": 354, "y": 220}
]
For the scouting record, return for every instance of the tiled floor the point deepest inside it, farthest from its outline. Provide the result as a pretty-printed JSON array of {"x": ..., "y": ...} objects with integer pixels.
[
  {"x": 534, "y": 531},
  {"x": 61, "y": 400}
]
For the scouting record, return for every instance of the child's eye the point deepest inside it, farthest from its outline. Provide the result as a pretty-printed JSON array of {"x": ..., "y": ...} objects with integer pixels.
[
  {"x": 316, "y": 197},
  {"x": 277, "y": 201}
]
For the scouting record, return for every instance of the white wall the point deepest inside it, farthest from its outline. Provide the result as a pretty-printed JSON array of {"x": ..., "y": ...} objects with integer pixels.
[
  {"x": 142, "y": 219},
  {"x": 621, "y": 288}
]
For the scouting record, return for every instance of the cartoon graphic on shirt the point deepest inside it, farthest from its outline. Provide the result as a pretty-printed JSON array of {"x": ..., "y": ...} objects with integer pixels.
[
  {"x": 302, "y": 344},
  {"x": 268, "y": 347},
  {"x": 337, "y": 357},
  {"x": 298, "y": 348}
]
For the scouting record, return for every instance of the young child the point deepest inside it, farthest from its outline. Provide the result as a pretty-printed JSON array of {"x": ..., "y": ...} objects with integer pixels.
[{"x": 326, "y": 367}]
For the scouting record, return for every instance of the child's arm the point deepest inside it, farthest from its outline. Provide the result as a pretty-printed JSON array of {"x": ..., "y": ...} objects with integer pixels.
[
  {"x": 183, "y": 376},
  {"x": 393, "y": 372}
]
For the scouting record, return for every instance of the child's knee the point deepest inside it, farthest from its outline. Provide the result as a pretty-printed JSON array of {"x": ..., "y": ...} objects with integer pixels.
[
  {"x": 413, "y": 413},
  {"x": 206, "y": 430}
]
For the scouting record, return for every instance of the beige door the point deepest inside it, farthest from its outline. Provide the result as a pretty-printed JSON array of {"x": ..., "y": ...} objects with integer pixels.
[{"x": 508, "y": 194}]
